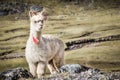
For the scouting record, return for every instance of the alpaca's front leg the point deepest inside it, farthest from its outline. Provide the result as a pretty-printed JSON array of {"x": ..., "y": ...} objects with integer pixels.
[
  {"x": 41, "y": 67},
  {"x": 33, "y": 69}
]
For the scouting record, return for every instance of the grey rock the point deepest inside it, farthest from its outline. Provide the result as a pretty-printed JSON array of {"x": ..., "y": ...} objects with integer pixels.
[
  {"x": 12, "y": 8},
  {"x": 15, "y": 74},
  {"x": 4, "y": 12},
  {"x": 35, "y": 8},
  {"x": 72, "y": 68},
  {"x": 84, "y": 73}
]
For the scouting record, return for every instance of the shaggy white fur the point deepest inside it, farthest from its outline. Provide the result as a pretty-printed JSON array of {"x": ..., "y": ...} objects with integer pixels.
[{"x": 42, "y": 50}]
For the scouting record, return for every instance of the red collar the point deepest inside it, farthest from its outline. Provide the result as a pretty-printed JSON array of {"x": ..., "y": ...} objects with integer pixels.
[{"x": 35, "y": 40}]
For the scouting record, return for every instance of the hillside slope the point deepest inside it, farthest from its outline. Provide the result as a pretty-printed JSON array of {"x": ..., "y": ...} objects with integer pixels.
[{"x": 69, "y": 27}]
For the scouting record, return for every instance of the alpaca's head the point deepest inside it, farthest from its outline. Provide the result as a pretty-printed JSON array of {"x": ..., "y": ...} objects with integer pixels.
[{"x": 37, "y": 20}]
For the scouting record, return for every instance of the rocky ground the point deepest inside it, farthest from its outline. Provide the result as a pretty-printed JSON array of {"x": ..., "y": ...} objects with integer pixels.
[
  {"x": 87, "y": 75},
  {"x": 15, "y": 74},
  {"x": 12, "y": 8},
  {"x": 68, "y": 72}
]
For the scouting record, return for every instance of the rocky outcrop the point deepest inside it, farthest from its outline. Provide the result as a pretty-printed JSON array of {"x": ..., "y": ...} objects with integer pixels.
[
  {"x": 15, "y": 74},
  {"x": 12, "y": 8},
  {"x": 4, "y": 12},
  {"x": 80, "y": 72},
  {"x": 87, "y": 75},
  {"x": 67, "y": 72},
  {"x": 83, "y": 42},
  {"x": 73, "y": 68}
]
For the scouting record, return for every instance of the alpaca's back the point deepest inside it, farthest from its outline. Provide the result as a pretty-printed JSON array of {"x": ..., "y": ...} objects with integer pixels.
[
  {"x": 53, "y": 42},
  {"x": 55, "y": 45}
]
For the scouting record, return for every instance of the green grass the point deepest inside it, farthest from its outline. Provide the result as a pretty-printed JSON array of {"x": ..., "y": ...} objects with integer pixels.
[
  {"x": 13, "y": 63},
  {"x": 11, "y": 39},
  {"x": 104, "y": 55}
]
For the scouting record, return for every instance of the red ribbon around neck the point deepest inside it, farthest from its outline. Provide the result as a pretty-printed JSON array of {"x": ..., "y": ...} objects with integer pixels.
[{"x": 35, "y": 40}]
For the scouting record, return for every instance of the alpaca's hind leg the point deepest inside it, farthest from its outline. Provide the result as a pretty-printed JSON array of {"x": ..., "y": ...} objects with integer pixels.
[
  {"x": 41, "y": 69},
  {"x": 33, "y": 69},
  {"x": 51, "y": 67},
  {"x": 59, "y": 60}
]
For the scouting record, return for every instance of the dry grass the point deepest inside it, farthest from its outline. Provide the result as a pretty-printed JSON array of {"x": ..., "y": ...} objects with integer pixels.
[
  {"x": 68, "y": 27},
  {"x": 12, "y": 63}
]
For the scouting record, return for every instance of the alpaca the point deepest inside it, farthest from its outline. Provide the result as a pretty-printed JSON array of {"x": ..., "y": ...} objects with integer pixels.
[{"x": 42, "y": 50}]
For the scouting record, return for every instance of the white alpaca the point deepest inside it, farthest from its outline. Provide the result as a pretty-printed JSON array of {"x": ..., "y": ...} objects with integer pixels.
[{"x": 42, "y": 51}]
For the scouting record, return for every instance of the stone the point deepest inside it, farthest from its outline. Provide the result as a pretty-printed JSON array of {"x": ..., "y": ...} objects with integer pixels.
[
  {"x": 35, "y": 8},
  {"x": 4, "y": 12},
  {"x": 15, "y": 74},
  {"x": 72, "y": 68}
]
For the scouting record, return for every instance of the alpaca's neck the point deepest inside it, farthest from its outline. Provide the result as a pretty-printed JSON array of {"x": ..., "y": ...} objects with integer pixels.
[{"x": 35, "y": 35}]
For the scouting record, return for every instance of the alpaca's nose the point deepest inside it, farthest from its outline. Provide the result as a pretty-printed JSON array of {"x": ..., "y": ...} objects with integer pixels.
[{"x": 41, "y": 26}]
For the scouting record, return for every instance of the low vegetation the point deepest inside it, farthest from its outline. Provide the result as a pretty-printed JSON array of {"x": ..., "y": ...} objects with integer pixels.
[{"x": 68, "y": 26}]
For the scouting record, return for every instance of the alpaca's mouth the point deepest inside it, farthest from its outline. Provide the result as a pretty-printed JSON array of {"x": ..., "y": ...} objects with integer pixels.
[{"x": 39, "y": 29}]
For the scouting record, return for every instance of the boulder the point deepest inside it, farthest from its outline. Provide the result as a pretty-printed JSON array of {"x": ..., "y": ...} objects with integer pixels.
[
  {"x": 4, "y": 12},
  {"x": 73, "y": 68},
  {"x": 35, "y": 8},
  {"x": 15, "y": 74}
]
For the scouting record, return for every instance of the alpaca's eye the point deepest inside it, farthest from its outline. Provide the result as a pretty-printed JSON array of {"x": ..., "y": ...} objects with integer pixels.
[
  {"x": 35, "y": 21},
  {"x": 40, "y": 21}
]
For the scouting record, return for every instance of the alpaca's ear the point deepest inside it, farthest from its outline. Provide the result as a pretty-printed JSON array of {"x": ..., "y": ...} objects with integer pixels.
[
  {"x": 44, "y": 15},
  {"x": 32, "y": 13}
]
